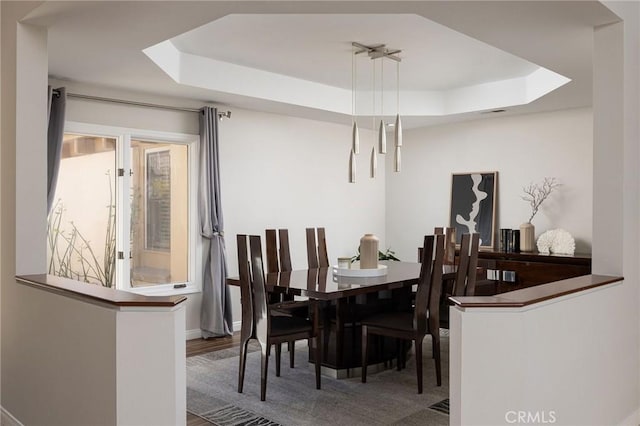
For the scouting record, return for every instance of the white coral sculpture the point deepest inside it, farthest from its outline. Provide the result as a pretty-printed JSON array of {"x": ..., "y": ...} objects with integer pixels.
[{"x": 557, "y": 241}]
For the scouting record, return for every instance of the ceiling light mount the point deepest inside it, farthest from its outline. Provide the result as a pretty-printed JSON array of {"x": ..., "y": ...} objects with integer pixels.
[{"x": 377, "y": 51}]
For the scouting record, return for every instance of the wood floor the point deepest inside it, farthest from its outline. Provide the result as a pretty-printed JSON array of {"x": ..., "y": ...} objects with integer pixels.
[{"x": 202, "y": 346}]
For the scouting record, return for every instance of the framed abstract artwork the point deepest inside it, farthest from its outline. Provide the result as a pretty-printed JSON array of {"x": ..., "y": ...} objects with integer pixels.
[{"x": 473, "y": 205}]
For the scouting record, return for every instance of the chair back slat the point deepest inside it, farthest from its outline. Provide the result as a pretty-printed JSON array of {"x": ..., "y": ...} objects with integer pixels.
[
  {"x": 463, "y": 266},
  {"x": 438, "y": 230},
  {"x": 470, "y": 289},
  {"x": 450, "y": 246},
  {"x": 285, "y": 253},
  {"x": 312, "y": 254},
  {"x": 260, "y": 306},
  {"x": 246, "y": 292},
  {"x": 272, "y": 251},
  {"x": 465, "y": 283},
  {"x": 424, "y": 284},
  {"x": 323, "y": 258},
  {"x": 436, "y": 284}
]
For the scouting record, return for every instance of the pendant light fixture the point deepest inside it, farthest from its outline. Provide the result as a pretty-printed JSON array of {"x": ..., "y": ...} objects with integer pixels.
[
  {"x": 378, "y": 51},
  {"x": 382, "y": 130},
  {"x": 398, "y": 126},
  {"x": 374, "y": 157},
  {"x": 355, "y": 134}
]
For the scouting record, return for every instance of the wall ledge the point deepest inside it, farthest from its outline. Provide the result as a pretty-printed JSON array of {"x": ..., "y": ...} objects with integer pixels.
[
  {"x": 537, "y": 294},
  {"x": 97, "y": 294}
]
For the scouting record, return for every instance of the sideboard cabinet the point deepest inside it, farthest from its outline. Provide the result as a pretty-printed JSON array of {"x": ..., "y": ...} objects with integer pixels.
[{"x": 500, "y": 272}]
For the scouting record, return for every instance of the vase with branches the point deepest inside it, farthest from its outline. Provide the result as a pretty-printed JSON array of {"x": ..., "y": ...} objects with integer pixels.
[{"x": 535, "y": 194}]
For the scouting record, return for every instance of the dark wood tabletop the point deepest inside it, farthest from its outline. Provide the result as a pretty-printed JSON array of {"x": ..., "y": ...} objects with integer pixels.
[{"x": 323, "y": 284}]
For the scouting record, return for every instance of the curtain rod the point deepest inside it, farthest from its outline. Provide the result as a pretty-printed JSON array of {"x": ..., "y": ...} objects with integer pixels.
[{"x": 221, "y": 114}]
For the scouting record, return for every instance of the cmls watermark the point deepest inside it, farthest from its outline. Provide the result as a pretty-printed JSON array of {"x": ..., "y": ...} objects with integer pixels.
[{"x": 530, "y": 417}]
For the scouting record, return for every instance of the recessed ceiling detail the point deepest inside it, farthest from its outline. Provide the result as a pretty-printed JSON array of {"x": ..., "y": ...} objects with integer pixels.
[{"x": 305, "y": 60}]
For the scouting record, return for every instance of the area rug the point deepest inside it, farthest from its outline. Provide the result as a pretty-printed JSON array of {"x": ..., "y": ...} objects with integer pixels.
[{"x": 388, "y": 398}]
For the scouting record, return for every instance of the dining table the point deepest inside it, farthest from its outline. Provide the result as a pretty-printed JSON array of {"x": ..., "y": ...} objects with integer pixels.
[{"x": 344, "y": 300}]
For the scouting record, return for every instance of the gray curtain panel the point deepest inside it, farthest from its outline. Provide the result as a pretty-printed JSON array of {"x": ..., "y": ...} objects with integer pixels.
[
  {"x": 215, "y": 316},
  {"x": 55, "y": 116}
]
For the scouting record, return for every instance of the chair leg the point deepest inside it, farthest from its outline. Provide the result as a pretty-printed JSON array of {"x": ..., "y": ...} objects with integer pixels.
[
  {"x": 318, "y": 357},
  {"x": 243, "y": 363},
  {"x": 436, "y": 347},
  {"x": 418, "y": 344},
  {"x": 278, "y": 356},
  {"x": 292, "y": 354},
  {"x": 365, "y": 354},
  {"x": 263, "y": 372}
]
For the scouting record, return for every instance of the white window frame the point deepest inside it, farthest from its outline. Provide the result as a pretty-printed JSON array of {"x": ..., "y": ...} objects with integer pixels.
[{"x": 123, "y": 136}]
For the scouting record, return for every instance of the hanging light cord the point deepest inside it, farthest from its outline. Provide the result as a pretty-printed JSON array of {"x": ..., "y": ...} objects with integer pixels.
[
  {"x": 373, "y": 96},
  {"x": 398, "y": 87},
  {"x": 353, "y": 85},
  {"x": 382, "y": 89}
]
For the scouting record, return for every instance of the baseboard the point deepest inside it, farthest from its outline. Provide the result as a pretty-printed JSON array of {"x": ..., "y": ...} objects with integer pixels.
[
  {"x": 193, "y": 334},
  {"x": 197, "y": 334},
  {"x": 7, "y": 419}
]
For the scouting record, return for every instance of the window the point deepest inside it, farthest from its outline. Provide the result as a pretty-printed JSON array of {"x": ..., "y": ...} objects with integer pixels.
[
  {"x": 125, "y": 215},
  {"x": 157, "y": 171}
]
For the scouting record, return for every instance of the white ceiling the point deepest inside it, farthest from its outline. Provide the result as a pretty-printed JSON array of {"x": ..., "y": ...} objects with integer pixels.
[
  {"x": 446, "y": 45},
  {"x": 318, "y": 48}
]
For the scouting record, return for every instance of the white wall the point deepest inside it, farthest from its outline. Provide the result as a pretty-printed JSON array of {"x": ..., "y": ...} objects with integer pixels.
[
  {"x": 626, "y": 226},
  {"x": 522, "y": 148},
  {"x": 103, "y": 370},
  {"x": 41, "y": 371},
  {"x": 552, "y": 360}
]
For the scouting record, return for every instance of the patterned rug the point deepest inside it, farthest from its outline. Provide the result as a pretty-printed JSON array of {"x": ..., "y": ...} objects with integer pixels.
[
  {"x": 442, "y": 406},
  {"x": 388, "y": 398}
]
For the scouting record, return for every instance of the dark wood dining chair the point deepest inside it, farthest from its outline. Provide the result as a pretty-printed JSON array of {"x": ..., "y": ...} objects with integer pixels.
[
  {"x": 317, "y": 252},
  {"x": 466, "y": 272},
  {"x": 266, "y": 328},
  {"x": 278, "y": 253},
  {"x": 464, "y": 281},
  {"x": 317, "y": 257},
  {"x": 279, "y": 260},
  {"x": 414, "y": 325}
]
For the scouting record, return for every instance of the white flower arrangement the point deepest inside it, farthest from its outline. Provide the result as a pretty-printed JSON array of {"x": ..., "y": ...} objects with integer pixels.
[{"x": 557, "y": 241}]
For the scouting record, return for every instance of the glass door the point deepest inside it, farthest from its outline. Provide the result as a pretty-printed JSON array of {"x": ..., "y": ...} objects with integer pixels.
[{"x": 81, "y": 238}]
